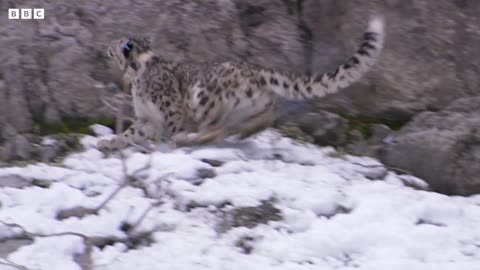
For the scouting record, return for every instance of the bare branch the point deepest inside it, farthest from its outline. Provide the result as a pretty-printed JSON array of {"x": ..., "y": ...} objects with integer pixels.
[
  {"x": 119, "y": 105},
  {"x": 128, "y": 179},
  {"x": 133, "y": 237},
  {"x": 369, "y": 166},
  {"x": 145, "y": 167},
  {"x": 391, "y": 168},
  {"x": 123, "y": 184},
  {"x": 109, "y": 105},
  {"x": 142, "y": 148},
  {"x": 110, "y": 197},
  {"x": 12, "y": 264},
  {"x": 30, "y": 236},
  {"x": 144, "y": 215}
]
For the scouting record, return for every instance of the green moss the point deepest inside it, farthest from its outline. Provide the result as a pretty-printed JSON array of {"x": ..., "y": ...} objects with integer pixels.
[
  {"x": 339, "y": 152},
  {"x": 295, "y": 133},
  {"x": 360, "y": 119},
  {"x": 41, "y": 183},
  {"x": 362, "y": 123},
  {"x": 71, "y": 125}
]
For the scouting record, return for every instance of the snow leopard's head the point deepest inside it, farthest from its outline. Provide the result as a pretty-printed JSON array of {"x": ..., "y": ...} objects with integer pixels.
[{"x": 126, "y": 51}]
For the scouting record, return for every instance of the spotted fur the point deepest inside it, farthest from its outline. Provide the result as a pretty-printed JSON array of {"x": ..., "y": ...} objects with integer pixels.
[{"x": 194, "y": 105}]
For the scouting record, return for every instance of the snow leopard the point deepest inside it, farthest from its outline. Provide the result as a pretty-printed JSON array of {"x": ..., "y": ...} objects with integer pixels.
[{"x": 193, "y": 105}]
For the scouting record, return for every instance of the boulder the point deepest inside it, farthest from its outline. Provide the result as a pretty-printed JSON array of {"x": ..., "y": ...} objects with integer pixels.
[
  {"x": 370, "y": 144},
  {"x": 442, "y": 148},
  {"x": 324, "y": 127},
  {"x": 17, "y": 148},
  {"x": 31, "y": 147},
  {"x": 249, "y": 217}
]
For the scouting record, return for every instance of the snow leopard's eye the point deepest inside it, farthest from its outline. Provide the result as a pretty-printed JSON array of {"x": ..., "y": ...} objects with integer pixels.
[{"x": 127, "y": 48}]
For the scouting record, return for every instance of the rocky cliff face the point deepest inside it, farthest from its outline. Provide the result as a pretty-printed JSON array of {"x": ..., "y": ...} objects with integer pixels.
[
  {"x": 56, "y": 68},
  {"x": 429, "y": 60}
]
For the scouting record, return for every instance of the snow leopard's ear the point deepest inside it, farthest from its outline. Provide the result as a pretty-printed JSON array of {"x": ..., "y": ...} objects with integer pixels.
[
  {"x": 148, "y": 40},
  {"x": 140, "y": 44}
]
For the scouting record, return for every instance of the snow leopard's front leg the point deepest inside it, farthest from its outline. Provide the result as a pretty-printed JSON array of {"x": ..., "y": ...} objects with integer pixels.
[
  {"x": 137, "y": 133},
  {"x": 200, "y": 138}
]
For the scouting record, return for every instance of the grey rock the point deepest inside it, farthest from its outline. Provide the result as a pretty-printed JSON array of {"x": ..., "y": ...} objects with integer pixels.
[
  {"x": 324, "y": 127},
  {"x": 361, "y": 146},
  {"x": 249, "y": 217},
  {"x": 202, "y": 174},
  {"x": 213, "y": 162},
  {"x": 11, "y": 245},
  {"x": 355, "y": 135},
  {"x": 357, "y": 143},
  {"x": 8, "y": 132},
  {"x": 54, "y": 149},
  {"x": 17, "y": 148},
  {"x": 31, "y": 147},
  {"x": 246, "y": 244},
  {"x": 78, "y": 212},
  {"x": 378, "y": 133},
  {"x": 443, "y": 148},
  {"x": 13, "y": 181},
  {"x": 358, "y": 147},
  {"x": 49, "y": 153},
  {"x": 41, "y": 183}
]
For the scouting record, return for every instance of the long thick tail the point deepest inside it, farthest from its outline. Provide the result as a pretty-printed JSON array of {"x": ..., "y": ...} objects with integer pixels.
[{"x": 305, "y": 87}]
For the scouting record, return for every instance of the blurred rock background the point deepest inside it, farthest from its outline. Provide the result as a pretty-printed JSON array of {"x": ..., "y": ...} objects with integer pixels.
[{"x": 53, "y": 72}]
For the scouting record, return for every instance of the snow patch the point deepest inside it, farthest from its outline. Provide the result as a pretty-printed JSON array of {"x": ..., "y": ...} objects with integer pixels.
[{"x": 336, "y": 213}]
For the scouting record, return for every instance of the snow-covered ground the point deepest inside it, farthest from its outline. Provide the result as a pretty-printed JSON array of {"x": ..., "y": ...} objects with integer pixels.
[{"x": 336, "y": 212}]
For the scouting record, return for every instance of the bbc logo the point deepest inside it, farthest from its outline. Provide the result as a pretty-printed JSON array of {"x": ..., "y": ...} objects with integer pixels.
[{"x": 26, "y": 13}]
